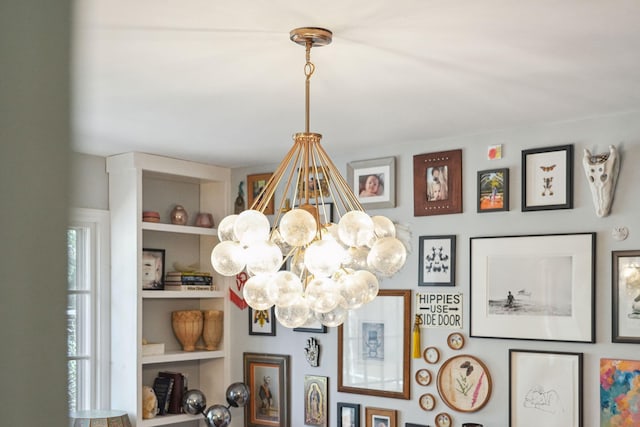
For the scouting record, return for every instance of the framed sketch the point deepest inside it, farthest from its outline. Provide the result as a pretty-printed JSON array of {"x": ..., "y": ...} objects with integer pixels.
[
  {"x": 262, "y": 322},
  {"x": 153, "y": 269},
  {"x": 348, "y": 414},
  {"x": 373, "y": 182},
  {"x": 267, "y": 376},
  {"x": 437, "y": 183},
  {"x": 437, "y": 261},
  {"x": 315, "y": 401},
  {"x": 317, "y": 183},
  {"x": 554, "y": 287},
  {"x": 373, "y": 347},
  {"x": 464, "y": 383},
  {"x": 379, "y": 417},
  {"x": 493, "y": 190},
  {"x": 255, "y": 184},
  {"x": 547, "y": 178},
  {"x": 545, "y": 389},
  {"x": 625, "y": 296},
  {"x": 619, "y": 389}
]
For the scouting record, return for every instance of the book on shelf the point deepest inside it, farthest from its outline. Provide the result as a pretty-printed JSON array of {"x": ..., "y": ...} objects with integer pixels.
[
  {"x": 190, "y": 288},
  {"x": 179, "y": 385},
  {"x": 189, "y": 273},
  {"x": 177, "y": 277},
  {"x": 163, "y": 386}
]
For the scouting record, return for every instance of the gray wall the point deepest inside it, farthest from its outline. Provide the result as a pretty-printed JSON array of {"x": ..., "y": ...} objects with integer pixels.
[{"x": 89, "y": 182}]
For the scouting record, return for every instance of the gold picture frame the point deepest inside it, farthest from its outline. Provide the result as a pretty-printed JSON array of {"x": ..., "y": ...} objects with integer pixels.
[{"x": 256, "y": 183}]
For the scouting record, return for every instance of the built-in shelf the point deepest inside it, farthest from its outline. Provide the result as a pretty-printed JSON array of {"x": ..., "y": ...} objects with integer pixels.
[
  {"x": 163, "y": 420},
  {"x": 181, "y": 356},
  {"x": 184, "y": 229},
  {"x": 182, "y": 294}
]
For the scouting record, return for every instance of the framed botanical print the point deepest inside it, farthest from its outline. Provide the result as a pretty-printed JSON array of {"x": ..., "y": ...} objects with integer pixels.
[
  {"x": 464, "y": 383},
  {"x": 437, "y": 183},
  {"x": 267, "y": 376},
  {"x": 625, "y": 296},
  {"x": 437, "y": 261},
  {"x": 547, "y": 178},
  {"x": 373, "y": 182},
  {"x": 315, "y": 401},
  {"x": 262, "y": 322},
  {"x": 493, "y": 190},
  {"x": 255, "y": 184}
]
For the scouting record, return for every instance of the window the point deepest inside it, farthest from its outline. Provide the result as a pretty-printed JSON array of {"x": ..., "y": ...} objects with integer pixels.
[{"x": 88, "y": 309}]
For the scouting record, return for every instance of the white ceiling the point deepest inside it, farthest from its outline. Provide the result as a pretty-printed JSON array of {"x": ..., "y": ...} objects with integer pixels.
[{"x": 219, "y": 81}]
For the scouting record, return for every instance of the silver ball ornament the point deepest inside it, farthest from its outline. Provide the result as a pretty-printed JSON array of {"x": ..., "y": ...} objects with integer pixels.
[
  {"x": 217, "y": 416},
  {"x": 237, "y": 394},
  {"x": 194, "y": 402}
]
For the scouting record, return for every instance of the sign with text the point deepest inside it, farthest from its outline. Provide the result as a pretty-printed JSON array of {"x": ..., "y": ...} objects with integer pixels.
[{"x": 439, "y": 310}]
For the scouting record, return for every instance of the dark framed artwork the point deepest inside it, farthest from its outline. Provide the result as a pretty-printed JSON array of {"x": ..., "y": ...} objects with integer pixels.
[
  {"x": 316, "y": 402},
  {"x": 313, "y": 326},
  {"x": 348, "y": 414},
  {"x": 255, "y": 184},
  {"x": 262, "y": 322},
  {"x": 267, "y": 376},
  {"x": 625, "y": 296},
  {"x": 437, "y": 183},
  {"x": 547, "y": 178},
  {"x": 153, "y": 269},
  {"x": 380, "y": 417},
  {"x": 437, "y": 261},
  {"x": 545, "y": 388},
  {"x": 493, "y": 190},
  {"x": 555, "y": 287},
  {"x": 373, "y": 182}
]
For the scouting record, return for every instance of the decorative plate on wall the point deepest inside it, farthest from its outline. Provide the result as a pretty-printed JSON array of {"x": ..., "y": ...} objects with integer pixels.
[{"x": 464, "y": 383}]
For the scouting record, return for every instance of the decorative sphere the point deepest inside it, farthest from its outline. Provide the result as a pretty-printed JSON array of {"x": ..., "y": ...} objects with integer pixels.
[
  {"x": 371, "y": 282},
  {"x": 298, "y": 227},
  {"x": 225, "y": 228},
  {"x": 284, "y": 289},
  {"x": 251, "y": 227},
  {"x": 333, "y": 318},
  {"x": 228, "y": 258},
  {"x": 255, "y": 292},
  {"x": 323, "y": 257},
  {"x": 237, "y": 394},
  {"x": 355, "y": 228},
  {"x": 294, "y": 315},
  {"x": 383, "y": 226},
  {"x": 387, "y": 256},
  {"x": 194, "y": 402},
  {"x": 322, "y": 294},
  {"x": 217, "y": 416},
  {"x": 356, "y": 258},
  {"x": 276, "y": 238},
  {"x": 353, "y": 288},
  {"x": 263, "y": 257}
]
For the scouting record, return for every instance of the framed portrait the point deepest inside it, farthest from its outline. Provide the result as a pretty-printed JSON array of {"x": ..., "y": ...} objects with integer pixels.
[
  {"x": 625, "y": 296},
  {"x": 464, "y": 383},
  {"x": 437, "y": 262},
  {"x": 262, "y": 322},
  {"x": 373, "y": 347},
  {"x": 545, "y": 389},
  {"x": 554, "y": 287},
  {"x": 317, "y": 182},
  {"x": 379, "y": 417},
  {"x": 255, "y": 184},
  {"x": 437, "y": 183},
  {"x": 619, "y": 389},
  {"x": 315, "y": 401},
  {"x": 373, "y": 182},
  {"x": 493, "y": 190},
  {"x": 152, "y": 269},
  {"x": 267, "y": 376},
  {"x": 547, "y": 178},
  {"x": 348, "y": 414}
]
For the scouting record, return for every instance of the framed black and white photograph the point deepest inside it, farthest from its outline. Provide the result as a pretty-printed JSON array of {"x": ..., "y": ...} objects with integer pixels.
[
  {"x": 437, "y": 261},
  {"x": 547, "y": 178},
  {"x": 348, "y": 414},
  {"x": 625, "y": 296},
  {"x": 153, "y": 269},
  {"x": 373, "y": 182},
  {"x": 493, "y": 190},
  {"x": 545, "y": 389},
  {"x": 537, "y": 287},
  {"x": 262, "y": 322}
]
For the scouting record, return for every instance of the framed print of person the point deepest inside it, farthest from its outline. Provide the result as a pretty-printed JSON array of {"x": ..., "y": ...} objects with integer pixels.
[
  {"x": 153, "y": 269},
  {"x": 373, "y": 181},
  {"x": 315, "y": 401},
  {"x": 267, "y": 376},
  {"x": 437, "y": 183}
]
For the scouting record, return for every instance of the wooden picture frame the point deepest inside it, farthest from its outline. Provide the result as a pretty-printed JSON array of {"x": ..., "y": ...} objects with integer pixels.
[
  {"x": 464, "y": 383},
  {"x": 262, "y": 322},
  {"x": 380, "y": 174},
  {"x": 316, "y": 401},
  {"x": 437, "y": 261},
  {"x": 348, "y": 414},
  {"x": 547, "y": 178},
  {"x": 267, "y": 372},
  {"x": 153, "y": 261},
  {"x": 317, "y": 185},
  {"x": 493, "y": 190},
  {"x": 619, "y": 381},
  {"x": 545, "y": 386},
  {"x": 256, "y": 183},
  {"x": 380, "y": 417},
  {"x": 437, "y": 183},
  {"x": 369, "y": 341},
  {"x": 555, "y": 287},
  {"x": 625, "y": 296}
]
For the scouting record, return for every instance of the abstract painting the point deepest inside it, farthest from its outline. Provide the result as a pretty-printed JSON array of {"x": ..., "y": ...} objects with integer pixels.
[{"x": 619, "y": 393}]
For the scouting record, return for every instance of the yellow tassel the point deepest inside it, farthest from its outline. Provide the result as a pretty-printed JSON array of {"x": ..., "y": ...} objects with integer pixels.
[{"x": 416, "y": 347}]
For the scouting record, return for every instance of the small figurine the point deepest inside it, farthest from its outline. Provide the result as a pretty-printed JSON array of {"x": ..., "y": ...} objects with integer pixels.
[{"x": 239, "y": 204}]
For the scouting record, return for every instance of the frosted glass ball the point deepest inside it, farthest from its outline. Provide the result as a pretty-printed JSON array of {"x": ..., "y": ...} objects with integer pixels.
[
  {"x": 383, "y": 226},
  {"x": 263, "y": 257},
  {"x": 255, "y": 292},
  {"x": 323, "y": 257},
  {"x": 276, "y": 238},
  {"x": 333, "y": 318},
  {"x": 371, "y": 282},
  {"x": 228, "y": 258},
  {"x": 284, "y": 289},
  {"x": 353, "y": 288},
  {"x": 355, "y": 228},
  {"x": 356, "y": 258},
  {"x": 295, "y": 315},
  {"x": 225, "y": 228},
  {"x": 322, "y": 294},
  {"x": 251, "y": 226},
  {"x": 387, "y": 256},
  {"x": 296, "y": 264},
  {"x": 298, "y": 227}
]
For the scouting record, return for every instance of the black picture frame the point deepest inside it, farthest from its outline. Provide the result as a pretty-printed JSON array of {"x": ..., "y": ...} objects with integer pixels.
[
  {"x": 493, "y": 190},
  {"x": 437, "y": 260},
  {"x": 625, "y": 296},
  {"x": 547, "y": 178},
  {"x": 153, "y": 261},
  {"x": 313, "y": 326},
  {"x": 353, "y": 415},
  {"x": 262, "y": 322}
]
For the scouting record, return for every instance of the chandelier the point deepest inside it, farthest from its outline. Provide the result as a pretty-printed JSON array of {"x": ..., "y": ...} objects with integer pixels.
[{"x": 309, "y": 268}]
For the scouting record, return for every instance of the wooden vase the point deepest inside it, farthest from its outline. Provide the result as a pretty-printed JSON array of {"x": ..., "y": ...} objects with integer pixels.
[
  {"x": 212, "y": 330},
  {"x": 187, "y": 326}
]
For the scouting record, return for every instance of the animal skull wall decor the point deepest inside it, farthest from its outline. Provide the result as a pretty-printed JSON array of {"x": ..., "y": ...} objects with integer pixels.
[{"x": 602, "y": 173}]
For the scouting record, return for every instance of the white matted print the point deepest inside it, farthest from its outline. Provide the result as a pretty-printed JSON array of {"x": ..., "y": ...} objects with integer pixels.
[
  {"x": 437, "y": 264},
  {"x": 373, "y": 182}
]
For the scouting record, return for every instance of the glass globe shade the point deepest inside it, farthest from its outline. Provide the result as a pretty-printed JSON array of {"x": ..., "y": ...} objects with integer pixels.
[
  {"x": 323, "y": 257},
  {"x": 228, "y": 258},
  {"x": 225, "y": 228},
  {"x": 387, "y": 256},
  {"x": 276, "y": 238},
  {"x": 352, "y": 288},
  {"x": 255, "y": 292},
  {"x": 371, "y": 282},
  {"x": 322, "y": 294},
  {"x": 251, "y": 226},
  {"x": 284, "y": 289},
  {"x": 298, "y": 227},
  {"x": 383, "y": 226},
  {"x": 356, "y": 258},
  {"x": 294, "y": 315},
  {"x": 263, "y": 257},
  {"x": 296, "y": 265},
  {"x": 333, "y": 318},
  {"x": 355, "y": 228}
]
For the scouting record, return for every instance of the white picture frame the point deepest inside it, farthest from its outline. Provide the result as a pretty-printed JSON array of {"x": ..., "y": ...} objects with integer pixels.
[{"x": 384, "y": 171}]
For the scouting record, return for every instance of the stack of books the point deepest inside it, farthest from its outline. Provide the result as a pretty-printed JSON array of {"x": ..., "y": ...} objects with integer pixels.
[
  {"x": 169, "y": 388},
  {"x": 188, "y": 281}
]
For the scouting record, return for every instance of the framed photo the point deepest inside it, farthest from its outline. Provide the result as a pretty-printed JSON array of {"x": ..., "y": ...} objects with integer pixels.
[
  {"x": 262, "y": 322},
  {"x": 554, "y": 287},
  {"x": 255, "y": 184},
  {"x": 619, "y": 391},
  {"x": 348, "y": 414},
  {"x": 379, "y": 417},
  {"x": 493, "y": 190},
  {"x": 625, "y": 296},
  {"x": 267, "y": 376},
  {"x": 369, "y": 360},
  {"x": 437, "y": 265},
  {"x": 373, "y": 182},
  {"x": 547, "y": 178},
  {"x": 464, "y": 383},
  {"x": 437, "y": 183},
  {"x": 315, "y": 401},
  {"x": 152, "y": 269},
  {"x": 317, "y": 183},
  {"x": 313, "y": 326},
  {"x": 545, "y": 389},
  {"x": 414, "y": 425}
]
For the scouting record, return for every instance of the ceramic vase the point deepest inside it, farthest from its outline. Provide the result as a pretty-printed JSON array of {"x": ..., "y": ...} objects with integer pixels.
[
  {"x": 187, "y": 326},
  {"x": 212, "y": 329},
  {"x": 179, "y": 215}
]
